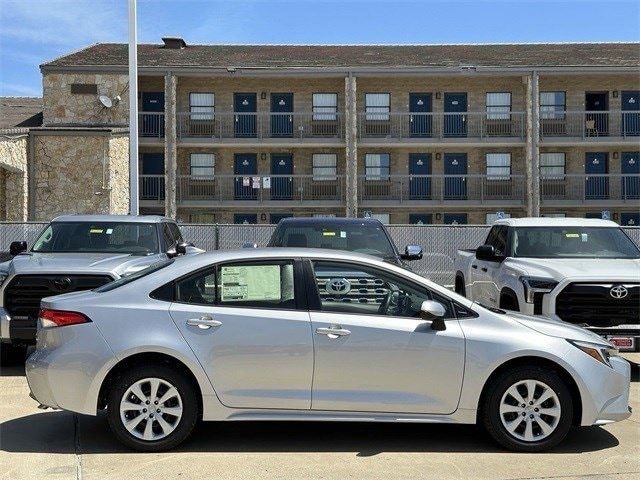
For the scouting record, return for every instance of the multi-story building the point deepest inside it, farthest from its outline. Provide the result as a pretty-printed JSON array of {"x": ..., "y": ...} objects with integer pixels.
[{"x": 411, "y": 134}]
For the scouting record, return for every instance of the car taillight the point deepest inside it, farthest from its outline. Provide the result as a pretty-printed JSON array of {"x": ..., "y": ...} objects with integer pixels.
[{"x": 59, "y": 318}]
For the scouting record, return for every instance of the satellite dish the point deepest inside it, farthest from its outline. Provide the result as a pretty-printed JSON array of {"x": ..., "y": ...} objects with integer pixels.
[{"x": 105, "y": 101}]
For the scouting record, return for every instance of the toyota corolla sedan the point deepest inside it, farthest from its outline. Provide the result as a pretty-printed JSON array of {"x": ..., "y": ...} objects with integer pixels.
[{"x": 303, "y": 334}]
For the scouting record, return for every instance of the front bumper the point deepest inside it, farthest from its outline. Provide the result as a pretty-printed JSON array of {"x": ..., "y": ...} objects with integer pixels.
[{"x": 610, "y": 393}]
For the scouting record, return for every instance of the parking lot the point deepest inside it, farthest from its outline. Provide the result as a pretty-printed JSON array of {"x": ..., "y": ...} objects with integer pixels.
[{"x": 60, "y": 445}]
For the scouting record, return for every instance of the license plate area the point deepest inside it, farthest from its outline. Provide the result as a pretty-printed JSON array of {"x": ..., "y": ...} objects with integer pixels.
[{"x": 624, "y": 344}]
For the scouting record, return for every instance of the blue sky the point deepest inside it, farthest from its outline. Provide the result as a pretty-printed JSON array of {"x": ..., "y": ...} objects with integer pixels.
[{"x": 35, "y": 31}]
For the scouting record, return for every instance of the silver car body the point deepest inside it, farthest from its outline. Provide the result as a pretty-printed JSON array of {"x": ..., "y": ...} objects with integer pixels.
[{"x": 265, "y": 364}]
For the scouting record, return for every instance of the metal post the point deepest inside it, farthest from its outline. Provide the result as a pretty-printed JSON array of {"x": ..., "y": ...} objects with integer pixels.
[{"x": 133, "y": 111}]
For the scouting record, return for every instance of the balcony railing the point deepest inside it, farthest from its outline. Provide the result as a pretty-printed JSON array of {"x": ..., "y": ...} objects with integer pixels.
[
  {"x": 151, "y": 187},
  {"x": 586, "y": 124},
  {"x": 585, "y": 187},
  {"x": 440, "y": 125},
  {"x": 441, "y": 188},
  {"x": 261, "y": 125},
  {"x": 151, "y": 124},
  {"x": 255, "y": 188}
]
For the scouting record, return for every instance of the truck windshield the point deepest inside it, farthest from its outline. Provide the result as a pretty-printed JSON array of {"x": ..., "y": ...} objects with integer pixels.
[
  {"x": 369, "y": 239},
  {"x": 572, "y": 242},
  {"x": 98, "y": 237}
]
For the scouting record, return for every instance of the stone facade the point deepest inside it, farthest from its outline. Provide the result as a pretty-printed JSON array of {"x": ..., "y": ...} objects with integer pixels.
[
  {"x": 62, "y": 107},
  {"x": 14, "y": 178}
]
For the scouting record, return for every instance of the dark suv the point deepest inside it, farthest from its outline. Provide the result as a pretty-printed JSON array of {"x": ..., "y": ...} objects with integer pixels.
[{"x": 361, "y": 235}]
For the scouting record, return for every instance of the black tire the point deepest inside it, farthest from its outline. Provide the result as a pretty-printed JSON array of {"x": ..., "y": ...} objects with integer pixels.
[
  {"x": 509, "y": 301},
  {"x": 459, "y": 286},
  {"x": 188, "y": 395},
  {"x": 490, "y": 409}
]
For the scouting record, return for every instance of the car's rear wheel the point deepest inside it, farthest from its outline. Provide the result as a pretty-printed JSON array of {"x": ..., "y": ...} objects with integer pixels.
[
  {"x": 152, "y": 408},
  {"x": 528, "y": 409}
]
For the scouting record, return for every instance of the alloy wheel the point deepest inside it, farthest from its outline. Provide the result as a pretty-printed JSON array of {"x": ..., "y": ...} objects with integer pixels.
[
  {"x": 530, "y": 410},
  {"x": 151, "y": 409}
]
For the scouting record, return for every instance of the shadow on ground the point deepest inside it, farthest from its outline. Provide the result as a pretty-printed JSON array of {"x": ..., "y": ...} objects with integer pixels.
[{"x": 26, "y": 434}]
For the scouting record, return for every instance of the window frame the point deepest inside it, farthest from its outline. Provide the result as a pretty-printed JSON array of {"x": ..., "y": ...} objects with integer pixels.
[
  {"x": 552, "y": 115},
  {"x": 324, "y": 178},
  {"x": 498, "y": 115},
  {"x": 324, "y": 115},
  {"x": 212, "y": 166},
  {"x": 377, "y": 177},
  {"x": 498, "y": 177},
  {"x": 382, "y": 114},
  {"x": 314, "y": 302},
  {"x": 202, "y": 115},
  {"x": 553, "y": 176}
]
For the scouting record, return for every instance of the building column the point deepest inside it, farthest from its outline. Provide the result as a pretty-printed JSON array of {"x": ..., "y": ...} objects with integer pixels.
[
  {"x": 532, "y": 157},
  {"x": 351, "y": 150},
  {"x": 170, "y": 146}
]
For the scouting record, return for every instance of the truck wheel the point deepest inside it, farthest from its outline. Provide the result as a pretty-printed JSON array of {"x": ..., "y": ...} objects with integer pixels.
[
  {"x": 459, "y": 286},
  {"x": 152, "y": 408},
  {"x": 528, "y": 409},
  {"x": 509, "y": 301}
]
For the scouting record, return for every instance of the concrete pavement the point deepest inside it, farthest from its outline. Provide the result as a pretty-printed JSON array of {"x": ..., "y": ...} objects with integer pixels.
[{"x": 59, "y": 445}]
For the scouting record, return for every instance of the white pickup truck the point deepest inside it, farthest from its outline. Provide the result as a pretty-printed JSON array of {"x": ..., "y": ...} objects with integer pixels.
[{"x": 581, "y": 271}]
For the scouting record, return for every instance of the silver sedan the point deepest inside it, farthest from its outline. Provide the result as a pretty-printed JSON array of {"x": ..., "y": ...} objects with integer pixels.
[{"x": 302, "y": 334}]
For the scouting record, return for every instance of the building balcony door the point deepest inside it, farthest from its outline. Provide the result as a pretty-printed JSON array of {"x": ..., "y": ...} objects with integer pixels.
[
  {"x": 281, "y": 115},
  {"x": 152, "y": 186},
  {"x": 244, "y": 108},
  {"x": 420, "y": 120},
  {"x": 455, "y": 171},
  {"x": 455, "y": 118},
  {"x": 281, "y": 184},
  {"x": 152, "y": 123},
  {"x": 596, "y": 168},
  {"x": 630, "y": 104},
  {"x": 597, "y": 117},
  {"x": 630, "y": 168},
  {"x": 244, "y": 170},
  {"x": 419, "y": 182}
]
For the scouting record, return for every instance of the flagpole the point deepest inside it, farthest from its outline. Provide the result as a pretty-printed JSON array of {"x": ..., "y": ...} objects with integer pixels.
[{"x": 133, "y": 111}]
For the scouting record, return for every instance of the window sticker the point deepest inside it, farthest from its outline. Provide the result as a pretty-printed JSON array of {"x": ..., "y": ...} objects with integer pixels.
[
  {"x": 328, "y": 234},
  {"x": 343, "y": 234},
  {"x": 572, "y": 235},
  {"x": 254, "y": 282},
  {"x": 109, "y": 231},
  {"x": 96, "y": 230},
  {"x": 585, "y": 237}
]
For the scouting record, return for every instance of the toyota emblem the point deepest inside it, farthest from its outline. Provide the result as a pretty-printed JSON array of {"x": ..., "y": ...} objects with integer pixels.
[
  {"x": 340, "y": 286},
  {"x": 618, "y": 292},
  {"x": 62, "y": 283}
]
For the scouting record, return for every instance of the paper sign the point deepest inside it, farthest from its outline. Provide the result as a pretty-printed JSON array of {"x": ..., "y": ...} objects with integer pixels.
[
  {"x": 256, "y": 182},
  {"x": 246, "y": 181},
  {"x": 255, "y": 282},
  {"x": 266, "y": 182}
]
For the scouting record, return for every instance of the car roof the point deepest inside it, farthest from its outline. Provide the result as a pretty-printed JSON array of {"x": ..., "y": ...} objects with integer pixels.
[
  {"x": 328, "y": 221},
  {"x": 555, "y": 222},
  {"x": 113, "y": 218}
]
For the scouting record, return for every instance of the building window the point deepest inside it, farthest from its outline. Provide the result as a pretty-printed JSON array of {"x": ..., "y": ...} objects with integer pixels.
[
  {"x": 377, "y": 106},
  {"x": 202, "y": 164},
  {"x": 492, "y": 217},
  {"x": 202, "y": 105},
  {"x": 552, "y": 105},
  {"x": 498, "y": 166},
  {"x": 325, "y": 106},
  {"x": 377, "y": 166},
  {"x": 552, "y": 166},
  {"x": 499, "y": 106},
  {"x": 324, "y": 166}
]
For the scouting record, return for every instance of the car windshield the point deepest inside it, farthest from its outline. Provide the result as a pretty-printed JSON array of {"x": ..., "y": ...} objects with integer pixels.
[
  {"x": 360, "y": 238},
  {"x": 572, "y": 242},
  {"x": 154, "y": 267},
  {"x": 98, "y": 237}
]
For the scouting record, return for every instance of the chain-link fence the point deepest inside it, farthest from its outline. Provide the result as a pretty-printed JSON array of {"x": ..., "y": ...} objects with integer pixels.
[{"x": 439, "y": 242}]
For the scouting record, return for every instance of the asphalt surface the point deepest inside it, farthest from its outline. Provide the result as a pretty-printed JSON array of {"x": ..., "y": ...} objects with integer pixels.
[{"x": 60, "y": 445}]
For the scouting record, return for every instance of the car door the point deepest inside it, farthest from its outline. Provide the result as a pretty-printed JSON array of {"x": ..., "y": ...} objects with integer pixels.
[
  {"x": 246, "y": 324},
  {"x": 372, "y": 351},
  {"x": 485, "y": 273}
]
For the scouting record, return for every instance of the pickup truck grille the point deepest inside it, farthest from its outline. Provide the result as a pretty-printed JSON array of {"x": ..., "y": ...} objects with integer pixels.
[
  {"x": 23, "y": 293},
  {"x": 592, "y": 304},
  {"x": 361, "y": 290}
]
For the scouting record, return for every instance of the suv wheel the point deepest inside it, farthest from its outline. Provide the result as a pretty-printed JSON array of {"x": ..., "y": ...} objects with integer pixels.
[
  {"x": 529, "y": 409},
  {"x": 152, "y": 408}
]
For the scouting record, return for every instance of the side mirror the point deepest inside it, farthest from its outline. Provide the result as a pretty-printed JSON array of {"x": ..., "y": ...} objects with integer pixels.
[
  {"x": 17, "y": 247},
  {"x": 412, "y": 252},
  {"x": 434, "y": 312},
  {"x": 487, "y": 253},
  {"x": 181, "y": 248}
]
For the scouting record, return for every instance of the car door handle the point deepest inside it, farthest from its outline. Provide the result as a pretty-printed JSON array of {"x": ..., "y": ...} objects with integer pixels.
[
  {"x": 333, "y": 332},
  {"x": 204, "y": 322},
  {"x": 474, "y": 266}
]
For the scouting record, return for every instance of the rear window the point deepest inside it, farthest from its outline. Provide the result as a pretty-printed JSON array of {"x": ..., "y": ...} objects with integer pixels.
[
  {"x": 359, "y": 238},
  {"x": 134, "y": 276}
]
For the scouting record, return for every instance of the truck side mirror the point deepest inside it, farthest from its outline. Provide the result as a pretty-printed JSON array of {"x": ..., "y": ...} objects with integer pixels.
[
  {"x": 17, "y": 247},
  {"x": 487, "y": 253},
  {"x": 181, "y": 248},
  {"x": 412, "y": 252}
]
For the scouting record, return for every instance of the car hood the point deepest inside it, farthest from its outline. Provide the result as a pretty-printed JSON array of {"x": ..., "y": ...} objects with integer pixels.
[
  {"x": 557, "y": 328},
  {"x": 560, "y": 268},
  {"x": 113, "y": 264}
]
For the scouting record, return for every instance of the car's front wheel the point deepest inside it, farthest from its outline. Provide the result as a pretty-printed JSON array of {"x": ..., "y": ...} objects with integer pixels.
[
  {"x": 528, "y": 409},
  {"x": 152, "y": 408}
]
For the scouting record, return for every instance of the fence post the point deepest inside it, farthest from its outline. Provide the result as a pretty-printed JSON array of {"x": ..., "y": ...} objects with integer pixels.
[{"x": 216, "y": 237}]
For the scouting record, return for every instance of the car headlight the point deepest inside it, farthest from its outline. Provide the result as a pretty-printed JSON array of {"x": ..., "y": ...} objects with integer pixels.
[
  {"x": 599, "y": 352},
  {"x": 533, "y": 285}
]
